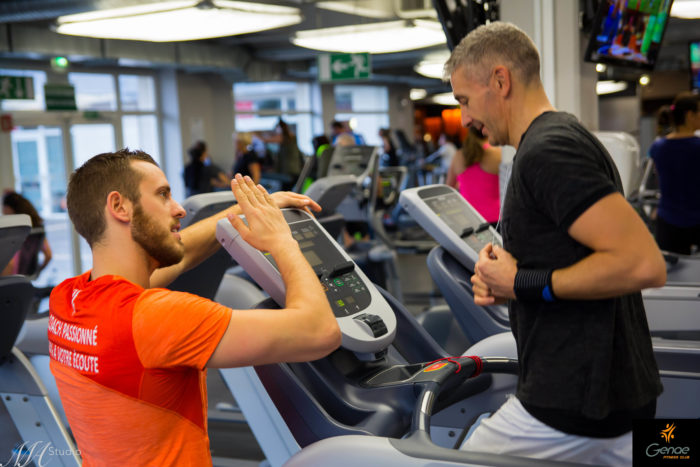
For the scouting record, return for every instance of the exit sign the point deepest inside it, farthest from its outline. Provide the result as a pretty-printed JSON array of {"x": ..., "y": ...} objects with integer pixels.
[
  {"x": 16, "y": 87},
  {"x": 344, "y": 67}
]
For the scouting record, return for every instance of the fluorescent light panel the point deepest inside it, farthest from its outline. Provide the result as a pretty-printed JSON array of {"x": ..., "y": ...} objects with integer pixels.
[
  {"x": 609, "y": 87},
  {"x": 417, "y": 94},
  {"x": 686, "y": 9},
  {"x": 174, "y": 21},
  {"x": 385, "y": 37},
  {"x": 445, "y": 98},
  {"x": 367, "y": 8},
  {"x": 433, "y": 65}
]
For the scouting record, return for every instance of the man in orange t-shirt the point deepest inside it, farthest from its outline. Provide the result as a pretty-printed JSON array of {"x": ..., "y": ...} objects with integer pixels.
[{"x": 129, "y": 356}]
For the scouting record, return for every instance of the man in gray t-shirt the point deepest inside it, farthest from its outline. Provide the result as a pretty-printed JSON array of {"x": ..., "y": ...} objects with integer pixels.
[{"x": 575, "y": 258}]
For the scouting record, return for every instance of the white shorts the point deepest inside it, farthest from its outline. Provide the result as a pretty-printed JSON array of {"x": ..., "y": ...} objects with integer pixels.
[{"x": 512, "y": 430}]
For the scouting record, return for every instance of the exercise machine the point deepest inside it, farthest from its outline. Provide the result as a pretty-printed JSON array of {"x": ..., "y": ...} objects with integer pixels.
[
  {"x": 462, "y": 232},
  {"x": 373, "y": 398},
  {"x": 30, "y": 427}
]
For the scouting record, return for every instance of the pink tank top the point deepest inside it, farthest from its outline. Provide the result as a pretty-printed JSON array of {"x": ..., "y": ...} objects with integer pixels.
[{"x": 480, "y": 188}]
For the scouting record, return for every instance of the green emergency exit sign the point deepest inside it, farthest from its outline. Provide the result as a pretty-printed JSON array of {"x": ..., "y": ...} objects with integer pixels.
[
  {"x": 344, "y": 67},
  {"x": 16, "y": 87}
]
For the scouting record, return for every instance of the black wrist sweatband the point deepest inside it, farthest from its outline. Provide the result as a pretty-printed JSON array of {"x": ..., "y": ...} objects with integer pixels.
[{"x": 534, "y": 285}]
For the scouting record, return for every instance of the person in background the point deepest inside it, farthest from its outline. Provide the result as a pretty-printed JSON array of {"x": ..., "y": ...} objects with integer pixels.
[
  {"x": 323, "y": 151},
  {"x": 574, "y": 259},
  {"x": 289, "y": 158},
  {"x": 474, "y": 172},
  {"x": 677, "y": 161},
  {"x": 26, "y": 260},
  {"x": 247, "y": 161},
  {"x": 390, "y": 157},
  {"x": 339, "y": 129},
  {"x": 444, "y": 154},
  {"x": 664, "y": 121},
  {"x": 201, "y": 176}
]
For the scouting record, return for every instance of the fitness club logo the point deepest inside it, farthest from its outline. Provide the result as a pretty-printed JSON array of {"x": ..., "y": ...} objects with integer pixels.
[
  {"x": 666, "y": 442},
  {"x": 667, "y": 434}
]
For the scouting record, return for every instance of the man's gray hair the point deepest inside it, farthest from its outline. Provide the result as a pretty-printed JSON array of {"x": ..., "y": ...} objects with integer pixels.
[{"x": 493, "y": 44}]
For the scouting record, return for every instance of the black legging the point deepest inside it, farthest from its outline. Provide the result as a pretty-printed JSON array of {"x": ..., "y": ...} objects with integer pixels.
[{"x": 676, "y": 239}]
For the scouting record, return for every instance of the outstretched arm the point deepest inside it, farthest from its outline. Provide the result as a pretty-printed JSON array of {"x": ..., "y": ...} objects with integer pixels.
[
  {"x": 306, "y": 328},
  {"x": 200, "y": 238}
]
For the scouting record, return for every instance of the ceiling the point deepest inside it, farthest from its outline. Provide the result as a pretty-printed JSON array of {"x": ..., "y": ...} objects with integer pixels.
[{"x": 273, "y": 48}]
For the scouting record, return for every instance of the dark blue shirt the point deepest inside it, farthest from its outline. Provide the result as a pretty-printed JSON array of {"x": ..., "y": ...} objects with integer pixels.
[{"x": 677, "y": 162}]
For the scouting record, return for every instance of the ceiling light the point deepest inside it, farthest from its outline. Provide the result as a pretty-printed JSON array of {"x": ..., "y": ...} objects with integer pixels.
[
  {"x": 445, "y": 98},
  {"x": 417, "y": 94},
  {"x": 600, "y": 68},
  {"x": 433, "y": 65},
  {"x": 644, "y": 80},
  {"x": 375, "y": 9},
  {"x": 368, "y": 8},
  {"x": 181, "y": 20},
  {"x": 430, "y": 69},
  {"x": 609, "y": 87},
  {"x": 378, "y": 38},
  {"x": 686, "y": 9}
]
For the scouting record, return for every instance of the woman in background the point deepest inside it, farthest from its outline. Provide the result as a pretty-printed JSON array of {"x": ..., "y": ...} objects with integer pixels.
[
  {"x": 247, "y": 161},
  {"x": 390, "y": 157},
  {"x": 289, "y": 159},
  {"x": 26, "y": 260},
  {"x": 201, "y": 176},
  {"x": 474, "y": 172},
  {"x": 677, "y": 161}
]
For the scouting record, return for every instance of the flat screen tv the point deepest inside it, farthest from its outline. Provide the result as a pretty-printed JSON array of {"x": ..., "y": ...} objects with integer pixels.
[
  {"x": 694, "y": 56},
  {"x": 628, "y": 32}
]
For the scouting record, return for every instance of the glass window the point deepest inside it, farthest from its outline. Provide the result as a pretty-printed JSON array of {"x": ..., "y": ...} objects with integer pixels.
[
  {"x": 361, "y": 98},
  {"x": 39, "y": 78},
  {"x": 90, "y": 139},
  {"x": 137, "y": 92},
  {"x": 57, "y": 172},
  {"x": 94, "y": 91},
  {"x": 367, "y": 125},
  {"x": 272, "y": 96},
  {"x": 301, "y": 125},
  {"x": 141, "y": 132},
  {"x": 28, "y": 168},
  {"x": 40, "y": 170}
]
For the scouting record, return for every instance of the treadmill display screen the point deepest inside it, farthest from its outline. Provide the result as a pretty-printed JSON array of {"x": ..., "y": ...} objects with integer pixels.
[
  {"x": 455, "y": 212},
  {"x": 346, "y": 291},
  {"x": 451, "y": 209}
]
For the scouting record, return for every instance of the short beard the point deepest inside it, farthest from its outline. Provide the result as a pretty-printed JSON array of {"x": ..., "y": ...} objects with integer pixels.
[{"x": 155, "y": 240}]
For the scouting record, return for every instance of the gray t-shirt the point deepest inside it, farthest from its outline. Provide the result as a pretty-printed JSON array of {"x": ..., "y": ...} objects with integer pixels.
[{"x": 581, "y": 358}]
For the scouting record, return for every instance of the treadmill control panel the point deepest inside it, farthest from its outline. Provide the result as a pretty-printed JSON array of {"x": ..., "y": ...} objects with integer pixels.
[
  {"x": 346, "y": 291},
  {"x": 470, "y": 228},
  {"x": 444, "y": 213},
  {"x": 366, "y": 320}
]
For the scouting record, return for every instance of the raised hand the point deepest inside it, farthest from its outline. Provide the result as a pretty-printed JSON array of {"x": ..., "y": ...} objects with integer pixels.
[
  {"x": 289, "y": 199},
  {"x": 267, "y": 228}
]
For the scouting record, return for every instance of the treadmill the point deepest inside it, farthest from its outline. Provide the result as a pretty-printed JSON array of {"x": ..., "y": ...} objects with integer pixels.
[
  {"x": 461, "y": 232},
  {"x": 360, "y": 162},
  {"x": 672, "y": 312},
  {"x": 31, "y": 431},
  {"x": 372, "y": 399}
]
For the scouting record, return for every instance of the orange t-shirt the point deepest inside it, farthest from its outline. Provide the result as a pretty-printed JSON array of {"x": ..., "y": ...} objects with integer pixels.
[{"x": 130, "y": 366}]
